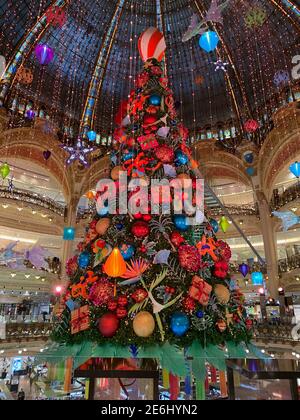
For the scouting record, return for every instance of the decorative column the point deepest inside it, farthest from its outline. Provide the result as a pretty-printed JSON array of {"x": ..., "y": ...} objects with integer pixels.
[
  {"x": 70, "y": 221},
  {"x": 270, "y": 245}
]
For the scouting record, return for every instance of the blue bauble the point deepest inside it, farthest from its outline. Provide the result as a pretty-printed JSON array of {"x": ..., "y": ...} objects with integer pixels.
[
  {"x": 257, "y": 278},
  {"x": 209, "y": 41},
  {"x": 199, "y": 314},
  {"x": 181, "y": 158},
  {"x": 119, "y": 226},
  {"x": 130, "y": 154},
  {"x": 92, "y": 135},
  {"x": 181, "y": 222},
  {"x": 249, "y": 157},
  {"x": 179, "y": 324},
  {"x": 127, "y": 251},
  {"x": 214, "y": 224},
  {"x": 250, "y": 171},
  {"x": 155, "y": 100},
  {"x": 84, "y": 259}
]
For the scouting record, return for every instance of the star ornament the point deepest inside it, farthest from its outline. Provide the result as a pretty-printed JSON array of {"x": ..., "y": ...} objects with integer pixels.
[
  {"x": 78, "y": 152},
  {"x": 221, "y": 65},
  {"x": 207, "y": 246}
]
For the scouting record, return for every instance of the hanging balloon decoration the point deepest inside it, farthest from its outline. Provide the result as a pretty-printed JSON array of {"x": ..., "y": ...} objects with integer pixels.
[
  {"x": 295, "y": 169},
  {"x": 215, "y": 225},
  {"x": 44, "y": 54},
  {"x": 244, "y": 269},
  {"x": 251, "y": 126},
  {"x": 224, "y": 224},
  {"x": 4, "y": 170},
  {"x": 209, "y": 41},
  {"x": 281, "y": 78},
  {"x": 257, "y": 278},
  {"x": 250, "y": 171},
  {"x": 92, "y": 135},
  {"x": 30, "y": 114},
  {"x": 152, "y": 45},
  {"x": 47, "y": 154},
  {"x": 249, "y": 157}
]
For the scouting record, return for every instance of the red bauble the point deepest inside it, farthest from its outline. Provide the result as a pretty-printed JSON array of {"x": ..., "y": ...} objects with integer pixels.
[
  {"x": 165, "y": 154},
  {"x": 147, "y": 217},
  {"x": 139, "y": 295},
  {"x": 149, "y": 119},
  {"x": 137, "y": 216},
  {"x": 122, "y": 301},
  {"x": 121, "y": 313},
  {"x": 177, "y": 239},
  {"x": 251, "y": 126},
  {"x": 189, "y": 258},
  {"x": 140, "y": 229},
  {"x": 108, "y": 325},
  {"x": 112, "y": 305}
]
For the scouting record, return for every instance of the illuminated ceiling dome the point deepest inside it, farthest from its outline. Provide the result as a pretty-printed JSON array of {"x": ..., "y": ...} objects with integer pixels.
[{"x": 98, "y": 43}]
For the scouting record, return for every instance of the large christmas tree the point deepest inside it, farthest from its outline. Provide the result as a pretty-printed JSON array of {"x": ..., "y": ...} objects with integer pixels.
[{"x": 151, "y": 281}]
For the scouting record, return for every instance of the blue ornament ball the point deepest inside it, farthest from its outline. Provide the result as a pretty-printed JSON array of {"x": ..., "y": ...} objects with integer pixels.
[
  {"x": 155, "y": 100},
  {"x": 181, "y": 158},
  {"x": 249, "y": 157},
  {"x": 127, "y": 251},
  {"x": 181, "y": 222},
  {"x": 250, "y": 171},
  {"x": 199, "y": 314},
  {"x": 209, "y": 41},
  {"x": 179, "y": 324},
  {"x": 84, "y": 259},
  {"x": 214, "y": 224},
  {"x": 92, "y": 135}
]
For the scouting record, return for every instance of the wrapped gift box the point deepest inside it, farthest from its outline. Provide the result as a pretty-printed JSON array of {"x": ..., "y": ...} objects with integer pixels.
[
  {"x": 80, "y": 319},
  {"x": 200, "y": 291}
]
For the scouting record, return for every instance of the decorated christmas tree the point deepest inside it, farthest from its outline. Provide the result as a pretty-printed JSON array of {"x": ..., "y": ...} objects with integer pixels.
[{"x": 151, "y": 283}]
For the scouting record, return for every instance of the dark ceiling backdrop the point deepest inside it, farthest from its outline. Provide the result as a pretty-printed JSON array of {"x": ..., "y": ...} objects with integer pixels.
[{"x": 257, "y": 54}]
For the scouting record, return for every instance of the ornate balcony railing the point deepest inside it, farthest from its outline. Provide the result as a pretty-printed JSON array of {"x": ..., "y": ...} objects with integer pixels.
[
  {"x": 275, "y": 332},
  {"x": 289, "y": 264},
  {"x": 27, "y": 332},
  {"x": 289, "y": 195},
  {"x": 32, "y": 199}
]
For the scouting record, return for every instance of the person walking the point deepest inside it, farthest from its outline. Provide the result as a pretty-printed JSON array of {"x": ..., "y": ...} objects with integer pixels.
[{"x": 21, "y": 395}]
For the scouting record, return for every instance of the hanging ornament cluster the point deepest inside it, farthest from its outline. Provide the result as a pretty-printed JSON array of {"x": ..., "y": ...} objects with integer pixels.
[{"x": 44, "y": 54}]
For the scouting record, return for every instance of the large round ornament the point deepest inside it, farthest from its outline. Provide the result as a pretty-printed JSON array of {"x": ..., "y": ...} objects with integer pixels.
[
  {"x": 181, "y": 158},
  {"x": 92, "y": 135},
  {"x": 108, "y": 325},
  {"x": 84, "y": 259},
  {"x": 143, "y": 324},
  {"x": 165, "y": 154},
  {"x": 102, "y": 226},
  {"x": 140, "y": 229},
  {"x": 181, "y": 222},
  {"x": 155, "y": 100},
  {"x": 179, "y": 324},
  {"x": 116, "y": 172},
  {"x": 127, "y": 251},
  {"x": 222, "y": 294}
]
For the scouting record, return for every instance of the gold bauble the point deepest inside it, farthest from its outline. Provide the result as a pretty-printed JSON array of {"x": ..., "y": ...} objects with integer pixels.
[
  {"x": 115, "y": 172},
  {"x": 222, "y": 293},
  {"x": 102, "y": 226},
  {"x": 143, "y": 324}
]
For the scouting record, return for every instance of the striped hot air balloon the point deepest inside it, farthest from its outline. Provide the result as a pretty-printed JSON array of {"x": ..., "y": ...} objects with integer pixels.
[{"x": 152, "y": 44}]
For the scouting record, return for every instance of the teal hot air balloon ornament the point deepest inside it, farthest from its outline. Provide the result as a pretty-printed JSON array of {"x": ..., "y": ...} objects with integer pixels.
[{"x": 209, "y": 41}]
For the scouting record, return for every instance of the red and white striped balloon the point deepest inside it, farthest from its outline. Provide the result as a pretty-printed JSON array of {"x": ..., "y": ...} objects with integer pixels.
[{"x": 152, "y": 44}]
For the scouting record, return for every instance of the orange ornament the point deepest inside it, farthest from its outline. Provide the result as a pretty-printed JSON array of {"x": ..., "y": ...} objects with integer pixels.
[
  {"x": 90, "y": 195},
  {"x": 115, "y": 265}
]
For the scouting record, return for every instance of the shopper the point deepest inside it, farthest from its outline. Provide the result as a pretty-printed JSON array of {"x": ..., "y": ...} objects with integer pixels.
[{"x": 21, "y": 394}]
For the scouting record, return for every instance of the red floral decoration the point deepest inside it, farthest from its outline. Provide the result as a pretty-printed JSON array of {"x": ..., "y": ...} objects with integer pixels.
[
  {"x": 101, "y": 292},
  {"x": 122, "y": 301},
  {"x": 72, "y": 266},
  {"x": 177, "y": 239},
  {"x": 189, "y": 258},
  {"x": 156, "y": 70},
  {"x": 224, "y": 250},
  {"x": 140, "y": 229},
  {"x": 121, "y": 313},
  {"x": 165, "y": 154},
  {"x": 139, "y": 295},
  {"x": 142, "y": 79},
  {"x": 189, "y": 304},
  {"x": 221, "y": 269}
]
